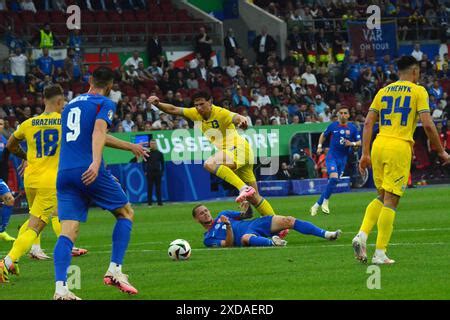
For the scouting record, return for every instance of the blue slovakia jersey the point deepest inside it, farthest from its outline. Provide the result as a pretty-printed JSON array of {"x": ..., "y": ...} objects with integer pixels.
[
  {"x": 78, "y": 121},
  {"x": 338, "y": 134},
  {"x": 218, "y": 231}
]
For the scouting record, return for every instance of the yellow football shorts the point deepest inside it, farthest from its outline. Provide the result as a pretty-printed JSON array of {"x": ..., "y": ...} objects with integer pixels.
[
  {"x": 242, "y": 155},
  {"x": 391, "y": 164},
  {"x": 42, "y": 202}
]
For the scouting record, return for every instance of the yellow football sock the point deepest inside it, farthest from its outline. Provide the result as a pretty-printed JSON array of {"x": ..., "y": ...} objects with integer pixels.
[
  {"x": 24, "y": 228},
  {"x": 56, "y": 226},
  {"x": 229, "y": 176},
  {"x": 373, "y": 211},
  {"x": 264, "y": 208},
  {"x": 385, "y": 227},
  {"x": 23, "y": 244}
]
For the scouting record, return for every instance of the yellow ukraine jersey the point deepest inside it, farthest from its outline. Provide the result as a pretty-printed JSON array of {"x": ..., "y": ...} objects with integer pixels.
[
  {"x": 42, "y": 134},
  {"x": 219, "y": 128},
  {"x": 398, "y": 106}
]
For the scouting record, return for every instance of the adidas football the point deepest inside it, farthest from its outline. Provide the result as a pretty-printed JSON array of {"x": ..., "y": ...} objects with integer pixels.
[{"x": 179, "y": 250}]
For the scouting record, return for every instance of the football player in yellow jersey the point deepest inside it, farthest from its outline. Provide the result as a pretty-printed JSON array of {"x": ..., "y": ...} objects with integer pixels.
[
  {"x": 42, "y": 134},
  {"x": 233, "y": 162},
  {"x": 397, "y": 108}
]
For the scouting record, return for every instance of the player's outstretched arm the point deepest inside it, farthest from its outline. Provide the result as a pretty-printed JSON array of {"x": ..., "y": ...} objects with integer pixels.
[
  {"x": 321, "y": 141},
  {"x": 13, "y": 145},
  {"x": 240, "y": 121},
  {"x": 165, "y": 107},
  {"x": 365, "y": 162},
  {"x": 433, "y": 136},
  {"x": 138, "y": 150},
  {"x": 98, "y": 142}
]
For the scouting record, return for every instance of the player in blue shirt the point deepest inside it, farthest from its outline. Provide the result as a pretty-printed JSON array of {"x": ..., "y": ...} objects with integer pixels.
[
  {"x": 82, "y": 179},
  {"x": 229, "y": 230},
  {"x": 343, "y": 136},
  {"x": 5, "y": 193}
]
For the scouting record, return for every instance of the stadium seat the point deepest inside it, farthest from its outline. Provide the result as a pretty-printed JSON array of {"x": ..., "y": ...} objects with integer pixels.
[
  {"x": 26, "y": 16},
  {"x": 128, "y": 16},
  {"x": 41, "y": 17},
  {"x": 57, "y": 17}
]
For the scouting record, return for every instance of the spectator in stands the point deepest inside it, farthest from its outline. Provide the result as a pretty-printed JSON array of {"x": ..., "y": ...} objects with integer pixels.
[
  {"x": 28, "y": 5},
  {"x": 143, "y": 74},
  {"x": 85, "y": 73},
  {"x": 127, "y": 123},
  {"x": 263, "y": 98},
  {"x": 347, "y": 87},
  {"x": 263, "y": 44},
  {"x": 239, "y": 99},
  {"x": 201, "y": 70},
  {"x": 134, "y": 60},
  {"x": 72, "y": 65},
  {"x": 326, "y": 114},
  {"x": 231, "y": 44},
  {"x": 319, "y": 105},
  {"x": 115, "y": 94},
  {"x": 309, "y": 77},
  {"x": 75, "y": 40},
  {"x": 3, "y": 6},
  {"x": 154, "y": 47},
  {"x": 436, "y": 90},
  {"x": 155, "y": 70},
  {"x": 18, "y": 62},
  {"x": 8, "y": 107},
  {"x": 273, "y": 78},
  {"x": 284, "y": 173},
  {"x": 203, "y": 44},
  {"x": 232, "y": 68},
  {"x": 417, "y": 53},
  {"x": 46, "y": 64}
]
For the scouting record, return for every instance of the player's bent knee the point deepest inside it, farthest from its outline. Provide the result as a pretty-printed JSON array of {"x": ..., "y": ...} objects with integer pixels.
[
  {"x": 125, "y": 212},
  {"x": 210, "y": 165},
  {"x": 9, "y": 201},
  {"x": 290, "y": 221},
  {"x": 245, "y": 240}
]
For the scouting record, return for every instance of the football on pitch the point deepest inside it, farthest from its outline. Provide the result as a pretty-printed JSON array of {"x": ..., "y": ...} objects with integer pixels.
[{"x": 179, "y": 250}]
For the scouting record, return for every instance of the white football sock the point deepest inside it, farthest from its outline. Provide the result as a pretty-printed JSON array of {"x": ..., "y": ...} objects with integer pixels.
[
  {"x": 61, "y": 288},
  {"x": 363, "y": 236},
  {"x": 380, "y": 253},
  {"x": 114, "y": 267}
]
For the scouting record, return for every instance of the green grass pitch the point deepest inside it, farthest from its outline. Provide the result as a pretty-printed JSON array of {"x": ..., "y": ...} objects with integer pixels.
[{"x": 308, "y": 268}]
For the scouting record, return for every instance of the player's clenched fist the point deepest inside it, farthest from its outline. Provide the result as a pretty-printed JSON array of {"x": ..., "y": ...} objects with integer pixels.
[{"x": 154, "y": 100}]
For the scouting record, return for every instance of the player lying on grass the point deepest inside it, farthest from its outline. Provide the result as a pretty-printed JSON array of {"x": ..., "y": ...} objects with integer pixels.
[
  {"x": 228, "y": 229},
  {"x": 233, "y": 162}
]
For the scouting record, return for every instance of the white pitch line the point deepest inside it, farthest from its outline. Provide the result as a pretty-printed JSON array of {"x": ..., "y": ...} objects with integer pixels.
[{"x": 406, "y": 244}]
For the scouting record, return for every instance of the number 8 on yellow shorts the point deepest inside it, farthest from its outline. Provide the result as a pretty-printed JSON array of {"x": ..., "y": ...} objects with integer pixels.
[{"x": 42, "y": 202}]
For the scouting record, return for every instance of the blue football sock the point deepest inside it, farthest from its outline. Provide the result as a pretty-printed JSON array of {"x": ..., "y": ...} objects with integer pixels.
[
  {"x": 6, "y": 214},
  {"x": 332, "y": 183},
  {"x": 62, "y": 256},
  {"x": 120, "y": 238},
  {"x": 308, "y": 228},
  {"x": 256, "y": 241}
]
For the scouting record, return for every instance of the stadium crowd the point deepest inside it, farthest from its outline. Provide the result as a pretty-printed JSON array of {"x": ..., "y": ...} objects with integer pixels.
[{"x": 319, "y": 74}]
